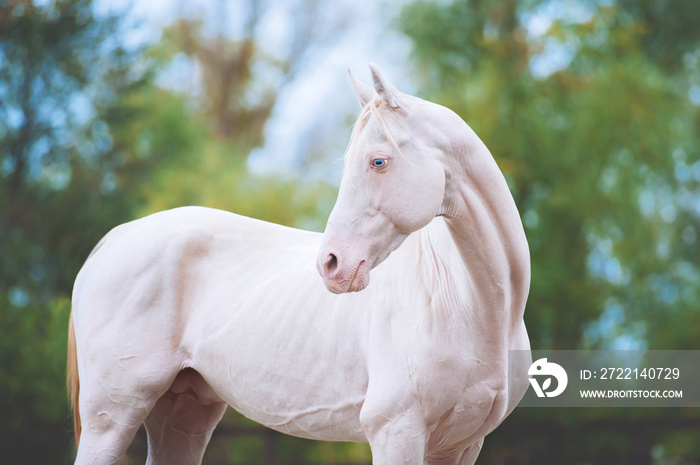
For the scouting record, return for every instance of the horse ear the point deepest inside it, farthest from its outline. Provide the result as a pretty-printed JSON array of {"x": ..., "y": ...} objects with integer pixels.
[
  {"x": 363, "y": 91},
  {"x": 386, "y": 91}
]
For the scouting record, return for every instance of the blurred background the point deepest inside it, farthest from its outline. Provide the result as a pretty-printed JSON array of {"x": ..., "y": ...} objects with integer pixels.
[{"x": 111, "y": 111}]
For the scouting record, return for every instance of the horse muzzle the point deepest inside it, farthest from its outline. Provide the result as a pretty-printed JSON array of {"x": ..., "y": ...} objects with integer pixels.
[{"x": 341, "y": 276}]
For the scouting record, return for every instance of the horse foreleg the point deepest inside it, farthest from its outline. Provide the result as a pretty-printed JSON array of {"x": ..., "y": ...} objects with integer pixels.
[
  {"x": 396, "y": 435},
  {"x": 470, "y": 455}
]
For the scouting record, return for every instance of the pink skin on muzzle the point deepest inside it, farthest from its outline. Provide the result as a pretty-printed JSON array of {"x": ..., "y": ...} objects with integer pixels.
[
  {"x": 345, "y": 264},
  {"x": 340, "y": 276}
]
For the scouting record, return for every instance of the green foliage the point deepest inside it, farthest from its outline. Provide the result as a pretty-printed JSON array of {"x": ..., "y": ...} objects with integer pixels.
[
  {"x": 602, "y": 155},
  {"x": 199, "y": 154},
  {"x": 87, "y": 142},
  {"x": 52, "y": 77},
  {"x": 247, "y": 449},
  {"x": 298, "y": 451},
  {"x": 213, "y": 175},
  {"x": 61, "y": 75},
  {"x": 668, "y": 34},
  {"x": 581, "y": 148},
  {"x": 33, "y": 402}
]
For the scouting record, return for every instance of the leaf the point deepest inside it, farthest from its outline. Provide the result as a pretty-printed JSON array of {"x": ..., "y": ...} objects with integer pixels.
[{"x": 546, "y": 384}]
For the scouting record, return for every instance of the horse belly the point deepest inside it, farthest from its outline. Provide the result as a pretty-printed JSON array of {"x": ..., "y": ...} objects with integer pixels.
[
  {"x": 306, "y": 415},
  {"x": 283, "y": 351}
]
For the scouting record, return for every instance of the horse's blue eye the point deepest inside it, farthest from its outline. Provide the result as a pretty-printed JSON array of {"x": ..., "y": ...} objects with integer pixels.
[{"x": 379, "y": 163}]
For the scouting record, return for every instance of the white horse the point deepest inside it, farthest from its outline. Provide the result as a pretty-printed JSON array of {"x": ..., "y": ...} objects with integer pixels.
[{"x": 180, "y": 313}]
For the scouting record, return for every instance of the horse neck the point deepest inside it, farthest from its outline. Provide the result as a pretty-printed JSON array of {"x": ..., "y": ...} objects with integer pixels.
[{"x": 482, "y": 241}]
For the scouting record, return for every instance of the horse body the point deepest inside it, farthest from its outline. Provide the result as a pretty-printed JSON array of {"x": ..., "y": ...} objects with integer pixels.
[
  {"x": 183, "y": 312},
  {"x": 220, "y": 293}
]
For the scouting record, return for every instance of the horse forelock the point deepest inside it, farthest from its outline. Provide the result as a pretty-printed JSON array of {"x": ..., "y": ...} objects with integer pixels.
[{"x": 374, "y": 108}]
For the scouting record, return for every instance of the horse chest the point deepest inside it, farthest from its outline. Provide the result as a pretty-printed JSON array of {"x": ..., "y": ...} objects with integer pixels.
[
  {"x": 459, "y": 391},
  {"x": 461, "y": 407}
]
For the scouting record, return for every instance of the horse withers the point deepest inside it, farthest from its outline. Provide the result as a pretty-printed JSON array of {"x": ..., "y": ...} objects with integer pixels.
[{"x": 181, "y": 313}]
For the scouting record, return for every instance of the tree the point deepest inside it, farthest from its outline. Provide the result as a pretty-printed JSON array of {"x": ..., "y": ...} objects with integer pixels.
[
  {"x": 62, "y": 80},
  {"x": 239, "y": 79},
  {"x": 241, "y": 75},
  {"x": 88, "y": 141},
  {"x": 584, "y": 149},
  {"x": 600, "y": 153}
]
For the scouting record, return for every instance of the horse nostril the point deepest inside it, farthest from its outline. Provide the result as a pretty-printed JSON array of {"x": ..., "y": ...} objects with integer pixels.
[{"x": 331, "y": 265}]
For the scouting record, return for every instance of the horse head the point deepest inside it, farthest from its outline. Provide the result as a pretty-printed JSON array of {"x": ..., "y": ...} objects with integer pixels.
[{"x": 393, "y": 184}]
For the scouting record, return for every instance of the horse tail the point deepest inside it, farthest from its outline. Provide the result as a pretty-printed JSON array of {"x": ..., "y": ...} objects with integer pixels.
[{"x": 72, "y": 379}]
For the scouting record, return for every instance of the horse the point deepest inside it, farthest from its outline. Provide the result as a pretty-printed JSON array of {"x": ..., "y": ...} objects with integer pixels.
[{"x": 182, "y": 313}]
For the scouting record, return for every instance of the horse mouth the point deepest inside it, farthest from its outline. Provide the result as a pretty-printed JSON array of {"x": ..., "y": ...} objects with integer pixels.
[
  {"x": 360, "y": 279},
  {"x": 356, "y": 280}
]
